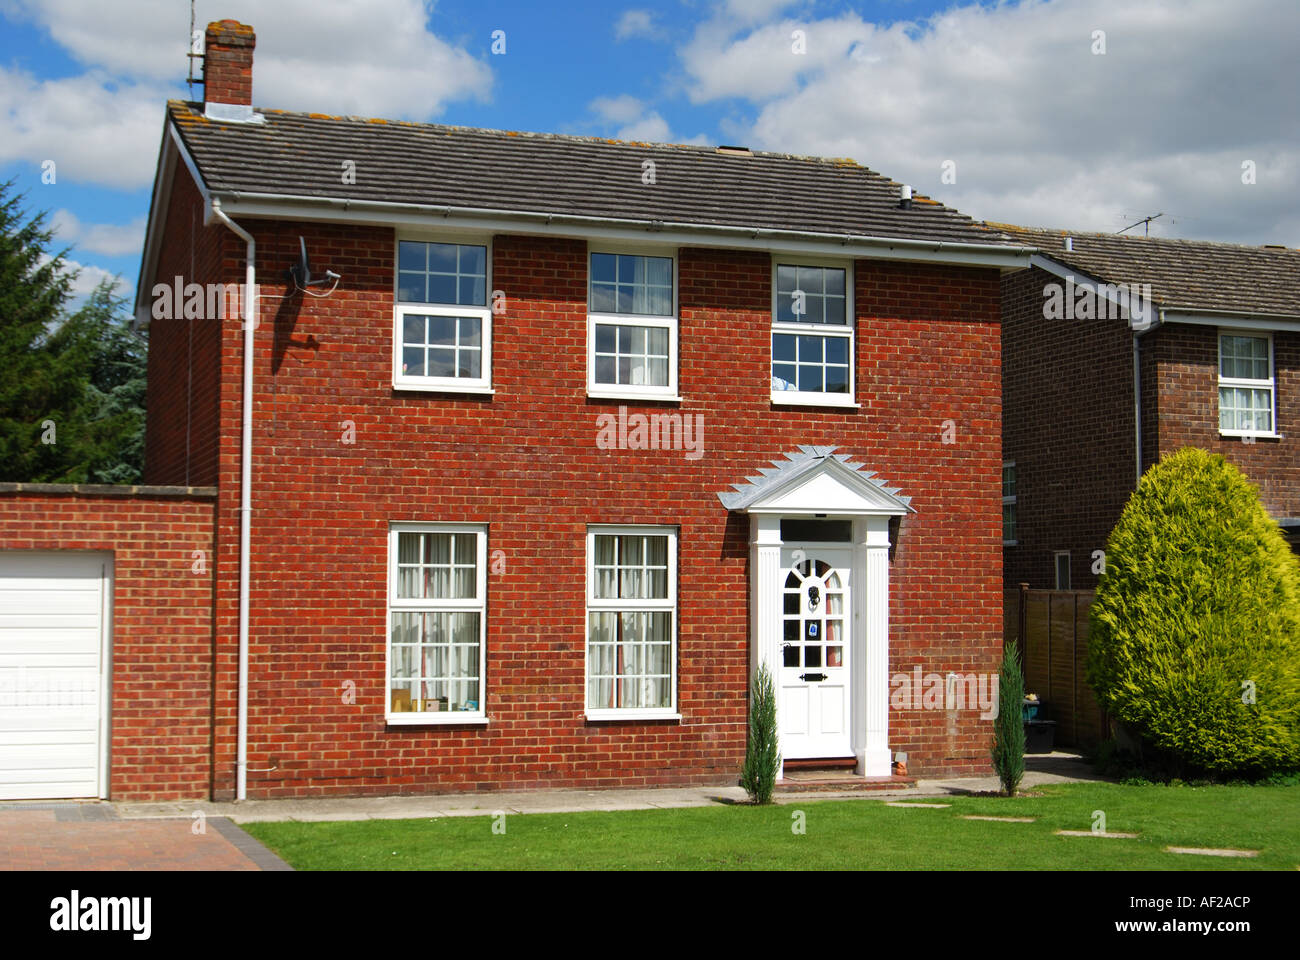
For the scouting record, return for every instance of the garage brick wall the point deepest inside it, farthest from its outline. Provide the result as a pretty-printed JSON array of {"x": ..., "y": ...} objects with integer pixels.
[{"x": 161, "y": 542}]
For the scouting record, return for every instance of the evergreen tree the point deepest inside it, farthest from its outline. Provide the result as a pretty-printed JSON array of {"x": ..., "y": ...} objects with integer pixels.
[
  {"x": 71, "y": 386},
  {"x": 1009, "y": 726},
  {"x": 762, "y": 752},
  {"x": 112, "y": 409}
]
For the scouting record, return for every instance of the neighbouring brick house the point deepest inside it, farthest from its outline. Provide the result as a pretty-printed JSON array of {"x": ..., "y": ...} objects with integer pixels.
[
  {"x": 582, "y": 433},
  {"x": 1091, "y": 400}
]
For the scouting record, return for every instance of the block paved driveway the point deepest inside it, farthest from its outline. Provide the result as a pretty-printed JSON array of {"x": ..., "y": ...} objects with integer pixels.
[{"x": 89, "y": 836}]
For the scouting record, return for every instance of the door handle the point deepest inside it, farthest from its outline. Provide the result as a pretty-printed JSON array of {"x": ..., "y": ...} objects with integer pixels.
[{"x": 812, "y": 676}]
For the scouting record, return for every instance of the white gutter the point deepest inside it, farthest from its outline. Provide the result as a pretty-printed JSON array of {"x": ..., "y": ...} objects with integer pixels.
[
  {"x": 245, "y": 493},
  {"x": 522, "y": 221},
  {"x": 1233, "y": 319}
]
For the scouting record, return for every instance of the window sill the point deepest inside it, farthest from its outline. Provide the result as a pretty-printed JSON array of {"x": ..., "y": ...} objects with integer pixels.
[
  {"x": 439, "y": 719},
  {"x": 611, "y": 395},
  {"x": 606, "y": 715},
  {"x": 1249, "y": 435},
  {"x": 793, "y": 399},
  {"x": 442, "y": 388}
]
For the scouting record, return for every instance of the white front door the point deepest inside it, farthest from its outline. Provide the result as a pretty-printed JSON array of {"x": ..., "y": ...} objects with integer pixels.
[{"x": 813, "y": 699}]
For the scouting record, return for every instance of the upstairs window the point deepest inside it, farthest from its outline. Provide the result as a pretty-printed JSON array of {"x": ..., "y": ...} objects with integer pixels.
[
  {"x": 442, "y": 335},
  {"x": 812, "y": 335},
  {"x": 632, "y": 326},
  {"x": 1009, "y": 503},
  {"x": 1246, "y": 384}
]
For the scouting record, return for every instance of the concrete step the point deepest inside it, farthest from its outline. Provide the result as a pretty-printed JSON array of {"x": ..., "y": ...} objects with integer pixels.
[{"x": 813, "y": 781}]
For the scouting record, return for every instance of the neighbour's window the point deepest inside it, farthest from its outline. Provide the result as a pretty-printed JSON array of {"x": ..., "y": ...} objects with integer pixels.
[
  {"x": 1009, "y": 503},
  {"x": 1245, "y": 384},
  {"x": 631, "y": 621},
  {"x": 632, "y": 326},
  {"x": 812, "y": 335},
  {"x": 1062, "y": 570},
  {"x": 437, "y": 608},
  {"x": 442, "y": 334}
]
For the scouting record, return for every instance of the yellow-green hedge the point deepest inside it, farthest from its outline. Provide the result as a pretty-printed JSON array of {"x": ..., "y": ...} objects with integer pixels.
[{"x": 1196, "y": 615}]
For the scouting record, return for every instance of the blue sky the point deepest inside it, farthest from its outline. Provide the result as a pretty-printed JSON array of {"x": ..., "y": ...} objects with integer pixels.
[{"x": 1040, "y": 126}]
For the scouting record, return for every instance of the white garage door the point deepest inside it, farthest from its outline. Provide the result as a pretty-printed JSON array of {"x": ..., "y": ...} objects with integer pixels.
[{"x": 54, "y": 628}]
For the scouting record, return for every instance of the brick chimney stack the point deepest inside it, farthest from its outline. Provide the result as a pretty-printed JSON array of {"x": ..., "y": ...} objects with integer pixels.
[{"x": 228, "y": 65}]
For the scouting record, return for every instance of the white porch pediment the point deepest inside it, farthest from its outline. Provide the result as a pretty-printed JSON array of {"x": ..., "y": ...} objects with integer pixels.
[{"x": 815, "y": 480}]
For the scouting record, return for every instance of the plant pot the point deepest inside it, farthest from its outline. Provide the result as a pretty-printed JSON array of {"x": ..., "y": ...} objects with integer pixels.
[{"x": 1040, "y": 735}]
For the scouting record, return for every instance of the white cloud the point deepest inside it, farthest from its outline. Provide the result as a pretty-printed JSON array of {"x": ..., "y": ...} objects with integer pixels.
[
  {"x": 744, "y": 12},
  {"x": 635, "y": 122},
  {"x": 763, "y": 63},
  {"x": 109, "y": 239},
  {"x": 635, "y": 23},
  {"x": 93, "y": 130},
  {"x": 85, "y": 278},
  {"x": 1041, "y": 130},
  {"x": 372, "y": 57},
  {"x": 621, "y": 109}
]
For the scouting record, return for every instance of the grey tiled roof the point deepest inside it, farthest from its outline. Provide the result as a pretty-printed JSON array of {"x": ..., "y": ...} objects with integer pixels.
[
  {"x": 1188, "y": 274},
  {"x": 795, "y": 464},
  {"x": 301, "y": 154}
]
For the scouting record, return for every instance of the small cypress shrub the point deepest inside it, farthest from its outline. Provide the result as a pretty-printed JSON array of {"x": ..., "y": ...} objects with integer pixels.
[
  {"x": 762, "y": 752},
  {"x": 1195, "y": 630},
  {"x": 1009, "y": 725}
]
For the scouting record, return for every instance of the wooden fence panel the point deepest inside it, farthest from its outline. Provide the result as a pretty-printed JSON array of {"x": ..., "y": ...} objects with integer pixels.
[
  {"x": 1092, "y": 727},
  {"x": 1037, "y": 649},
  {"x": 1060, "y": 625},
  {"x": 1055, "y": 645}
]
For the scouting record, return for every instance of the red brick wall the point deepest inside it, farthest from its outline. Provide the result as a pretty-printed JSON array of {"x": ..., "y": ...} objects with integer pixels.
[
  {"x": 525, "y": 462},
  {"x": 162, "y": 625},
  {"x": 1187, "y": 358},
  {"x": 184, "y": 382},
  {"x": 929, "y": 353},
  {"x": 1067, "y": 422}
]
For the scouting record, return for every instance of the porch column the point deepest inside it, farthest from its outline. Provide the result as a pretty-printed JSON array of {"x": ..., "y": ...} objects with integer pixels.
[
  {"x": 871, "y": 633},
  {"x": 765, "y": 597}
]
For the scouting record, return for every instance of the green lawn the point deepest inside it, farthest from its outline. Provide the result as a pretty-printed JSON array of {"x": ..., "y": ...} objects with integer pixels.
[{"x": 840, "y": 834}]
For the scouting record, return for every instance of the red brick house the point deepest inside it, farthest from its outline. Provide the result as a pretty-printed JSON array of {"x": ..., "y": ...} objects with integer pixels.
[
  {"x": 577, "y": 435},
  {"x": 1095, "y": 392}
]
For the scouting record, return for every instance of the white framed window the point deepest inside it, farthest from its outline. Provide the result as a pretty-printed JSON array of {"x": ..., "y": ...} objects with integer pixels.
[
  {"x": 437, "y": 623},
  {"x": 632, "y": 325},
  {"x": 1009, "y": 503},
  {"x": 1061, "y": 560},
  {"x": 442, "y": 325},
  {"x": 631, "y": 623},
  {"x": 812, "y": 333},
  {"x": 1246, "y": 385}
]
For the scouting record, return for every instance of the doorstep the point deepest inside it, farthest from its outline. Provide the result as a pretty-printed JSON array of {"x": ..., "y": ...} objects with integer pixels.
[{"x": 828, "y": 781}]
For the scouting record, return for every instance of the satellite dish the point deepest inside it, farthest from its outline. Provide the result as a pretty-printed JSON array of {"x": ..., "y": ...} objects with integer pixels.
[{"x": 300, "y": 272}]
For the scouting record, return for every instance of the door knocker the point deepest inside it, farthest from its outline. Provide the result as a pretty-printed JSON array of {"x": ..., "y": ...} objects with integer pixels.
[{"x": 814, "y": 598}]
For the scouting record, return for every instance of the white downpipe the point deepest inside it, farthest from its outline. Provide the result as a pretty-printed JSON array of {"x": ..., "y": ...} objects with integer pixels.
[{"x": 245, "y": 494}]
